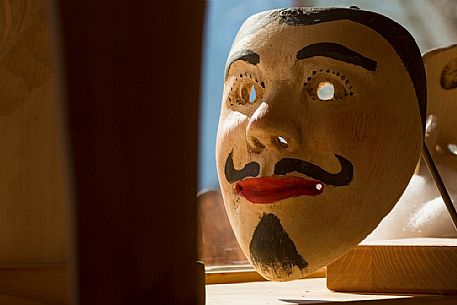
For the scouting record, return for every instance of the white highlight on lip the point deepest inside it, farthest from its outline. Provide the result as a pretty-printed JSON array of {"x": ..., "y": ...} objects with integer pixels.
[{"x": 319, "y": 186}]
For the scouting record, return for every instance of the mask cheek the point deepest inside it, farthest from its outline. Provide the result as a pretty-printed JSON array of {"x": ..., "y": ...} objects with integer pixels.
[
  {"x": 234, "y": 122},
  {"x": 231, "y": 136}
]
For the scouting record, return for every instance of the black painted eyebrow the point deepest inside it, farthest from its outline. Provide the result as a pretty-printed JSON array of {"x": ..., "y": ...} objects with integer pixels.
[
  {"x": 338, "y": 52},
  {"x": 248, "y": 56}
]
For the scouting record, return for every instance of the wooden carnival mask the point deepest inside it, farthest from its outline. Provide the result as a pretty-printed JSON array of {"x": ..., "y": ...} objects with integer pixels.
[
  {"x": 319, "y": 133},
  {"x": 441, "y": 137}
]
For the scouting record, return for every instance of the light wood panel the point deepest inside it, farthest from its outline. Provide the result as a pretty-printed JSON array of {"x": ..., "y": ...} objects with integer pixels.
[
  {"x": 420, "y": 265},
  {"x": 33, "y": 218},
  {"x": 34, "y": 226}
]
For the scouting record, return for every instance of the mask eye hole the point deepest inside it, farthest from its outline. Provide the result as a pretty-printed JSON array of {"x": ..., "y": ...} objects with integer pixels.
[
  {"x": 252, "y": 95},
  {"x": 246, "y": 91},
  {"x": 248, "y": 94},
  {"x": 328, "y": 86},
  {"x": 325, "y": 91}
]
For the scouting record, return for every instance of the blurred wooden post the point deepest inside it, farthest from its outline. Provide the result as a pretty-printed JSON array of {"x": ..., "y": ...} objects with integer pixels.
[{"x": 132, "y": 91}]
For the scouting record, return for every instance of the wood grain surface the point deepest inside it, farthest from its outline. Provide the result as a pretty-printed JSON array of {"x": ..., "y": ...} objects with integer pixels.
[
  {"x": 421, "y": 265},
  {"x": 308, "y": 291}
]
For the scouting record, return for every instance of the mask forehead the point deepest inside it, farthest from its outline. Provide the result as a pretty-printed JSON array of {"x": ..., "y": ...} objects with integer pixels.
[
  {"x": 278, "y": 45},
  {"x": 316, "y": 174},
  {"x": 394, "y": 33}
]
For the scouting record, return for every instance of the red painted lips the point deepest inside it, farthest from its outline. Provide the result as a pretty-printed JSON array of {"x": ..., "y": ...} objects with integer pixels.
[{"x": 275, "y": 188}]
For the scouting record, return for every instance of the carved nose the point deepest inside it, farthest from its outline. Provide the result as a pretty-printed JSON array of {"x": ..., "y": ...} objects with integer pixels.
[
  {"x": 260, "y": 140},
  {"x": 271, "y": 128}
]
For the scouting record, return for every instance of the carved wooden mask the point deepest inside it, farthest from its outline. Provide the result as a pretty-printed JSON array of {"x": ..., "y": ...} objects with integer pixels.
[
  {"x": 319, "y": 133},
  {"x": 441, "y": 136}
]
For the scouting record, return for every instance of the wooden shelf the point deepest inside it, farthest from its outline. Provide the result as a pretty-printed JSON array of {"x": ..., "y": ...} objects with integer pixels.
[
  {"x": 241, "y": 274},
  {"x": 307, "y": 291}
]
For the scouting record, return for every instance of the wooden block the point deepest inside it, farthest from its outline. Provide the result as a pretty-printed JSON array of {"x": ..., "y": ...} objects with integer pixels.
[{"x": 418, "y": 265}]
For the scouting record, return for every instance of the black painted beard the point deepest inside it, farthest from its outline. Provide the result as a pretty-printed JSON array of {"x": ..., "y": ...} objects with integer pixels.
[{"x": 272, "y": 250}]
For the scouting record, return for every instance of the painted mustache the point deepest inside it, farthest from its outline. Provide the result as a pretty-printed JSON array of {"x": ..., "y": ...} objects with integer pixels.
[{"x": 288, "y": 165}]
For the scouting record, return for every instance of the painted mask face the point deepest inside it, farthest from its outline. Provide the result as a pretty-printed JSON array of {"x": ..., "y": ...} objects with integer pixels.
[
  {"x": 319, "y": 133},
  {"x": 441, "y": 132}
]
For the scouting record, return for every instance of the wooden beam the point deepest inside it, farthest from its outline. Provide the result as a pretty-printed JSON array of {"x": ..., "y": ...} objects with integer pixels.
[{"x": 132, "y": 74}]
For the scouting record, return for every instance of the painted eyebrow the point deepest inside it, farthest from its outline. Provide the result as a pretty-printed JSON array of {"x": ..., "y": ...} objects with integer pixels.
[
  {"x": 338, "y": 52},
  {"x": 248, "y": 56}
]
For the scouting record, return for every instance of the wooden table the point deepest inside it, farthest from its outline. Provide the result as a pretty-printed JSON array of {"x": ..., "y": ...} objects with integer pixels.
[{"x": 307, "y": 291}]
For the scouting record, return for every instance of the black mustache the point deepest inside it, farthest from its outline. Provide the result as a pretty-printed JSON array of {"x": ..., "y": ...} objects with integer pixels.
[
  {"x": 288, "y": 165},
  {"x": 344, "y": 177},
  {"x": 232, "y": 175}
]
